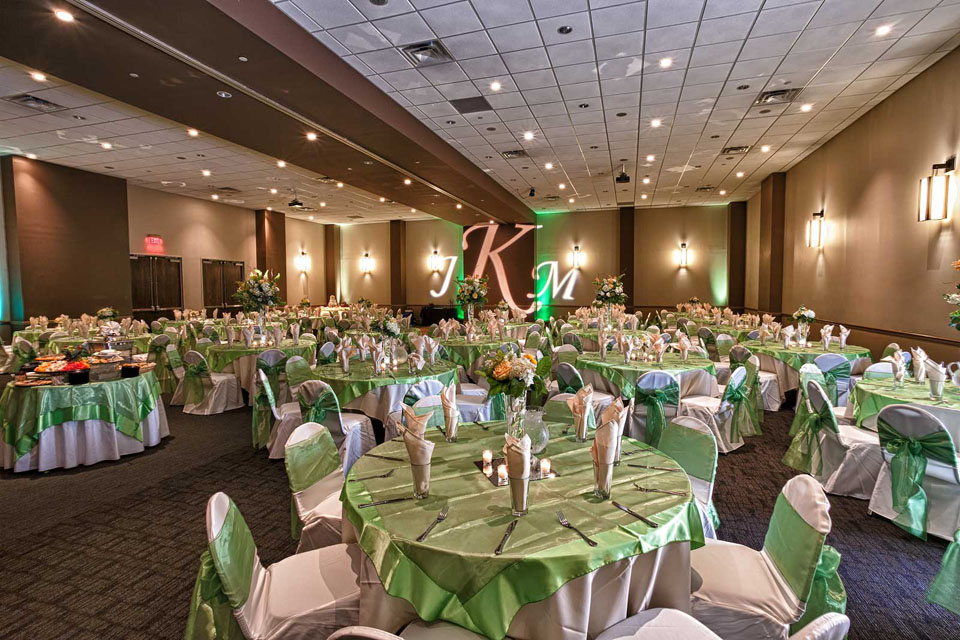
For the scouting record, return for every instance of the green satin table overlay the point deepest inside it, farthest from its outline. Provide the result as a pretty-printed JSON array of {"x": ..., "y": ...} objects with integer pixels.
[
  {"x": 466, "y": 353},
  {"x": 59, "y": 344},
  {"x": 27, "y": 411},
  {"x": 591, "y": 334},
  {"x": 362, "y": 379},
  {"x": 30, "y": 335},
  {"x": 625, "y": 376},
  {"x": 796, "y": 357},
  {"x": 222, "y": 355},
  {"x": 870, "y": 396},
  {"x": 455, "y": 576}
]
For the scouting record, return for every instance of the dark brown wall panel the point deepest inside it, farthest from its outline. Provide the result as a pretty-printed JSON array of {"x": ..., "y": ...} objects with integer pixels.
[
  {"x": 626, "y": 257},
  {"x": 67, "y": 240},
  {"x": 772, "y": 206},
  {"x": 736, "y": 254},
  {"x": 398, "y": 262},
  {"x": 331, "y": 260},
  {"x": 272, "y": 244}
]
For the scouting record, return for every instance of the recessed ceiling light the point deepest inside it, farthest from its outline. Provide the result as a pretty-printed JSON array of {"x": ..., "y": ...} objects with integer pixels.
[
  {"x": 651, "y": 158},
  {"x": 883, "y": 30},
  {"x": 243, "y": 59},
  {"x": 224, "y": 94},
  {"x": 206, "y": 173},
  {"x": 583, "y": 105},
  {"x": 655, "y": 123},
  {"x": 215, "y": 197},
  {"x": 32, "y": 156},
  {"x": 742, "y": 87},
  {"x": 382, "y": 199},
  {"x": 459, "y": 206},
  {"x": 413, "y": 210},
  {"x": 565, "y": 29},
  {"x": 323, "y": 204},
  {"x": 739, "y": 174},
  {"x": 562, "y": 186},
  {"x": 528, "y": 135},
  {"x": 193, "y": 133},
  {"x": 134, "y": 75},
  {"x": 339, "y": 185},
  {"x": 666, "y": 62},
  {"x": 495, "y": 86},
  {"x": 310, "y": 218},
  {"x": 311, "y": 136},
  {"x": 646, "y": 180},
  {"x": 621, "y": 114},
  {"x": 723, "y": 192},
  {"x": 64, "y": 16},
  {"x": 643, "y": 196},
  {"x": 39, "y": 77},
  {"x": 269, "y": 208},
  {"x": 106, "y": 145},
  {"x": 407, "y": 181},
  {"x": 765, "y": 148},
  {"x": 570, "y": 200},
  {"x": 281, "y": 164},
  {"x": 806, "y": 107}
]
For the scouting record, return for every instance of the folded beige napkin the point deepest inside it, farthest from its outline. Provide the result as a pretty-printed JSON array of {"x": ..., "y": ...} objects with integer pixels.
[
  {"x": 471, "y": 330},
  {"x": 295, "y": 332},
  {"x": 683, "y": 344},
  {"x": 899, "y": 366},
  {"x": 419, "y": 450},
  {"x": 177, "y": 314},
  {"x": 345, "y": 350},
  {"x": 451, "y": 416},
  {"x": 377, "y": 356},
  {"x": 430, "y": 347},
  {"x": 604, "y": 453},
  {"x": 417, "y": 424},
  {"x": 826, "y": 336},
  {"x": 919, "y": 364},
  {"x": 414, "y": 362},
  {"x": 247, "y": 334},
  {"x": 365, "y": 344},
  {"x": 844, "y": 334},
  {"x": 517, "y": 454},
  {"x": 231, "y": 335},
  {"x": 659, "y": 348},
  {"x": 787, "y": 335},
  {"x": 581, "y": 405},
  {"x": 935, "y": 372},
  {"x": 417, "y": 342},
  {"x": 764, "y": 335}
]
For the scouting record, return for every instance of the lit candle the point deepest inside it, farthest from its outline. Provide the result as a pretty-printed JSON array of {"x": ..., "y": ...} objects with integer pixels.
[
  {"x": 487, "y": 469},
  {"x": 502, "y": 474},
  {"x": 487, "y": 456},
  {"x": 544, "y": 467}
]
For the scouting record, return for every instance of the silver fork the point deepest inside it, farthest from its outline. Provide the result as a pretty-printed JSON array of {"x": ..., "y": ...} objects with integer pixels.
[
  {"x": 566, "y": 523},
  {"x": 440, "y": 518}
]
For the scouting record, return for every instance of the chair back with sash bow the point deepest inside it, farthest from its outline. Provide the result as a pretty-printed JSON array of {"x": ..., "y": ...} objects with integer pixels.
[
  {"x": 327, "y": 353},
  {"x": 754, "y": 397},
  {"x": 671, "y": 320},
  {"x": 725, "y": 342},
  {"x": 693, "y": 446},
  {"x": 565, "y": 353},
  {"x": 544, "y": 345},
  {"x": 298, "y": 371},
  {"x": 657, "y": 393},
  {"x": 532, "y": 341},
  {"x": 734, "y": 418},
  {"x": 44, "y": 338},
  {"x": 631, "y": 322},
  {"x": 156, "y": 327},
  {"x": 422, "y": 389},
  {"x": 210, "y": 331},
  {"x": 157, "y": 352},
  {"x": 808, "y": 372},
  {"x": 814, "y": 419},
  {"x": 307, "y": 337},
  {"x": 23, "y": 352},
  {"x": 310, "y": 455},
  {"x": 196, "y": 377},
  {"x": 709, "y": 342},
  {"x": 653, "y": 330},
  {"x": 569, "y": 379},
  {"x": 5, "y": 358},
  {"x": 573, "y": 340},
  {"x": 319, "y": 403},
  {"x": 836, "y": 374},
  {"x": 510, "y": 347},
  {"x": 878, "y": 371},
  {"x": 915, "y": 444},
  {"x": 753, "y": 335},
  {"x": 889, "y": 350},
  {"x": 271, "y": 363}
]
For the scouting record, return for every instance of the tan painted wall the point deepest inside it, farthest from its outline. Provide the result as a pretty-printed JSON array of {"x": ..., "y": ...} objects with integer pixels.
[
  {"x": 305, "y": 236},
  {"x": 752, "y": 284},
  {"x": 193, "y": 229},
  {"x": 659, "y": 281},
  {"x": 879, "y": 267},
  {"x": 596, "y": 233},
  {"x": 355, "y": 239},
  {"x": 422, "y": 237}
]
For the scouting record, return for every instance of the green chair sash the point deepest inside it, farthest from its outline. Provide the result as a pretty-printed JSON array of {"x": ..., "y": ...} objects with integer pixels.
[
  {"x": 654, "y": 399},
  {"x": 945, "y": 588},
  {"x": 265, "y": 400},
  {"x": 317, "y": 412},
  {"x": 804, "y": 453},
  {"x": 907, "y": 470},
  {"x": 307, "y": 462},
  {"x": 234, "y": 555},
  {"x": 754, "y": 398},
  {"x": 736, "y": 395},
  {"x": 693, "y": 450},
  {"x": 196, "y": 377},
  {"x": 158, "y": 354},
  {"x": 827, "y": 593},
  {"x": 831, "y": 376},
  {"x": 298, "y": 372},
  {"x": 793, "y": 546},
  {"x": 211, "y": 616}
]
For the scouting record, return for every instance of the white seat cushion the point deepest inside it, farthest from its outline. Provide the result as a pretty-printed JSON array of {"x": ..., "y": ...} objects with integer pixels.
[
  {"x": 659, "y": 624},
  {"x": 420, "y": 630},
  {"x": 321, "y": 512},
  {"x": 471, "y": 389},
  {"x": 738, "y": 595}
]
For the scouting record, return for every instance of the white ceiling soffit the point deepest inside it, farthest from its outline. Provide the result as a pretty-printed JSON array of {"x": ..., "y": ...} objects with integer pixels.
[
  {"x": 153, "y": 152},
  {"x": 589, "y": 78}
]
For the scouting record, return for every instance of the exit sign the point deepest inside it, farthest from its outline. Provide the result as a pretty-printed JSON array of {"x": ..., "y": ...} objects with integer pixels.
[{"x": 153, "y": 243}]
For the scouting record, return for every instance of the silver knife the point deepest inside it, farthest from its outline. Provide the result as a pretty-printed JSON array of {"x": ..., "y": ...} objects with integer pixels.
[
  {"x": 379, "y": 502},
  {"x": 645, "y": 466},
  {"x": 649, "y": 490},
  {"x": 506, "y": 535},
  {"x": 625, "y": 509}
]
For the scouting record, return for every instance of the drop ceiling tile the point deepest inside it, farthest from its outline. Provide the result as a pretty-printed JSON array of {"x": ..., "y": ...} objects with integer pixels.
[
  {"x": 580, "y": 91},
  {"x": 618, "y": 19},
  {"x": 452, "y": 19},
  {"x": 768, "y": 46},
  {"x": 470, "y": 45},
  {"x": 423, "y": 95},
  {"x": 443, "y": 73},
  {"x": 406, "y": 79},
  {"x": 720, "y": 8},
  {"x": 497, "y": 13},
  {"x": 484, "y": 67},
  {"x": 374, "y": 11},
  {"x": 360, "y": 38},
  {"x": 618, "y": 46},
  {"x": 526, "y": 60},
  {"x": 727, "y": 29},
  {"x": 714, "y": 54},
  {"x": 297, "y": 15},
  {"x": 668, "y": 12},
  {"x": 524, "y": 35},
  {"x": 917, "y": 45},
  {"x": 331, "y": 43},
  {"x": 805, "y": 60},
  {"x": 784, "y": 19},
  {"x": 385, "y": 60},
  {"x": 404, "y": 29},
  {"x": 713, "y": 73},
  {"x": 673, "y": 37},
  {"x": 457, "y": 90}
]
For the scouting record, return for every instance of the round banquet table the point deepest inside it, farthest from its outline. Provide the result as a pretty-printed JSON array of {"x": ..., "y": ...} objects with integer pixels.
[
  {"x": 467, "y": 354},
  {"x": 517, "y": 330},
  {"x": 380, "y": 395},
  {"x": 31, "y": 335},
  {"x": 548, "y": 583},
  {"x": 697, "y": 376},
  {"x": 786, "y": 363},
  {"x": 870, "y": 396},
  {"x": 241, "y": 360},
  {"x": 62, "y": 426},
  {"x": 590, "y": 340}
]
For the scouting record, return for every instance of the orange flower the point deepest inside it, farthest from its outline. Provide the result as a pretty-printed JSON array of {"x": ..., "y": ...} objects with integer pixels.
[
  {"x": 956, "y": 265},
  {"x": 530, "y": 358},
  {"x": 501, "y": 371}
]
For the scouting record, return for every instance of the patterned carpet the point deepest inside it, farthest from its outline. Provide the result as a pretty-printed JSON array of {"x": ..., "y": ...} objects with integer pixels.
[{"x": 111, "y": 551}]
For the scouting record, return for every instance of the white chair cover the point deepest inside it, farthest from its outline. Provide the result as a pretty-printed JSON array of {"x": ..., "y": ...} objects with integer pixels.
[
  {"x": 222, "y": 394},
  {"x": 351, "y": 431},
  {"x": 717, "y": 414},
  {"x": 317, "y": 505},
  {"x": 693, "y": 446},
  {"x": 829, "y": 626},
  {"x": 637, "y": 422},
  {"x": 659, "y": 624},
  {"x": 286, "y": 418}
]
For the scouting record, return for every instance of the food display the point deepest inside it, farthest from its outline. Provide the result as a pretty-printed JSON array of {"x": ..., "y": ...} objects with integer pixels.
[
  {"x": 34, "y": 382},
  {"x": 51, "y": 358},
  {"x": 62, "y": 366},
  {"x": 142, "y": 366},
  {"x": 100, "y": 358}
]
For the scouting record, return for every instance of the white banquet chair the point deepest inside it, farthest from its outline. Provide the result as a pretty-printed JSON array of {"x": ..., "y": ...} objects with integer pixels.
[
  {"x": 221, "y": 391},
  {"x": 742, "y": 594},
  {"x": 693, "y": 446},
  {"x": 297, "y": 372},
  {"x": 829, "y": 626},
  {"x": 900, "y": 426},
  {"x": 769, "y": 382},
  {"x": 352, "y": 431},
  {"x": 286, "y": 418},
  {"x": 659, "y": 624},
  {"x": 836, "y": 371},
  {"x": 727, "y": 416},
  {"x": 843, "y": 458},
  {"x": 647, "y": 384},
  {"x": 308, "y": 595},
  {"x": 569, "y": 380},
  {"x": 315, "y": 477}
]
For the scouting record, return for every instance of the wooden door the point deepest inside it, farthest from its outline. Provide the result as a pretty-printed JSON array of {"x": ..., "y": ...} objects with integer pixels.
[
  {"x": 233, "y": 272},
  {"x": 213, "y": 283},
  {"x": 169, "y": 283},
  {"x": 141, "y": 279}
]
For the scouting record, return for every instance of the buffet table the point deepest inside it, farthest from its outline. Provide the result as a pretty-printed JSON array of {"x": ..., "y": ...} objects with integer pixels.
[
  {"x": 62, "y": 426},
  {"x": 547, "y": 583}
]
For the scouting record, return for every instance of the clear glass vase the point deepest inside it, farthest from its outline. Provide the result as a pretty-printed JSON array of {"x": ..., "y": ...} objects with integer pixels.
[
  {"x": 516, "y": 408},
  {"x": 803, "y": 330},
  {"x": 470, "y": 312}
]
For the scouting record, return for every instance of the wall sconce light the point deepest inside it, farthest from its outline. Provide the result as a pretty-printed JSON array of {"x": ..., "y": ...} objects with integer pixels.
[
  {"x": 435, "y": 262},
  {"x": 578, "y": 257},
  {"x": 366, "y": 264},
  {"x": 938, "y": 192},
  {"x": 684, "y": 256},
  {"x": 815, "y": 230},
  {"x": 302, "y": 262}
]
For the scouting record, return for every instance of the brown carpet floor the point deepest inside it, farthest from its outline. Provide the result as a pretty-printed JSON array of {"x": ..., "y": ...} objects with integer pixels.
[{"x": 111, "y": 551}]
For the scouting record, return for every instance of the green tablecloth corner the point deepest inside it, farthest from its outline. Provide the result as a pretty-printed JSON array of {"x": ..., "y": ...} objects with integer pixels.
[
  {"x": 625, "y": 376},
  {"x": 362, "y": 378}
]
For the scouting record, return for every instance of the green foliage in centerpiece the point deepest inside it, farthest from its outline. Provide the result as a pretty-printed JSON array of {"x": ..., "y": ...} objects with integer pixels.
[
  {"x": 259, "y": 291},
  {"x": 472, "y": 290},
  {"x": 610, "y": 290},
  {"x": 107, "y": 313}
]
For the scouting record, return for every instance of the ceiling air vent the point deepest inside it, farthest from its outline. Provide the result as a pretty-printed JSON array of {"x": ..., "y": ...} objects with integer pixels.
[
  {"x": 516, "y": 154},
  {"x": 734, "y": 151},
  {"x": 779, "y": 96},
  {"x": 423, "y": 54},
  {"x": 705, "y": 188},
  {"x": 471, "y": 105},
  {"x": 35, "y": 103},
  {"x": 227, "y": 190},
  {"x": 355, "y": 217}
]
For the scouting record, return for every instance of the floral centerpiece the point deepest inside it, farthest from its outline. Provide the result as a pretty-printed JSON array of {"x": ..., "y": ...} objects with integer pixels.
[
  {"x": 472, "y": 290},
  {"x": 694, "y": 300},
  {"x": 389, "y": 327},
  {"x": 259, "y": 291},
  {"x": 304, "y": 301},
  {"x": 804, "y": 318},
  {"x": 954, "y": 299},
  {"x": 610, "y": 290},
  {"x": 107, "y": 313},
  {"x": 503, "y": 308},
  {"x": 513, "y": 375},
  {"x": 364, "y": 303}
]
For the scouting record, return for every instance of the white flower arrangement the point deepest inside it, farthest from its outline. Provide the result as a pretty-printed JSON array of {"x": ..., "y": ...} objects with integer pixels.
[
  {"x": 804, "y": 315},
  {"x": 610, "y": 290},
  {"x": 472, "y": 290}
]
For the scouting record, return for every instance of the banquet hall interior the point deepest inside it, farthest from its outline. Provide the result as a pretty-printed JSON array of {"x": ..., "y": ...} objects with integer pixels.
[{"x": 456, "y": 319}]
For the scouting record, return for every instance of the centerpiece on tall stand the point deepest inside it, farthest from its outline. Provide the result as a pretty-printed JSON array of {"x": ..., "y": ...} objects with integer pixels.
[
  {"x": 257, "y": 293},
  {"x": 609, "y": 293},
  {"x": 804, "y": 318},
  {"x": 472, "y": 291}
]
